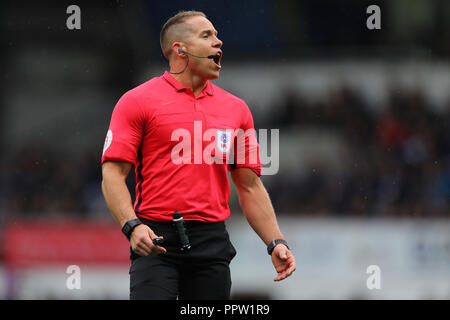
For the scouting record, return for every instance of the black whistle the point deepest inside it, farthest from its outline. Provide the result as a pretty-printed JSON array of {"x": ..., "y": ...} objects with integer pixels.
[
  {"x": 179, "y": 224},
  {"x": 158, "y": 241}
]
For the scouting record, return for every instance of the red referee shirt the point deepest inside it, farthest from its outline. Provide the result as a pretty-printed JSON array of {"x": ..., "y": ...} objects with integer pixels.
[{"x": 181, "y": 146}]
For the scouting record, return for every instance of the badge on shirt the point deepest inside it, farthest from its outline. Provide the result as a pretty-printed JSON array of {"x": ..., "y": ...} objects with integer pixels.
[
  {"x": 223, "y": 140},
  {"x": 108, "y": 140}
]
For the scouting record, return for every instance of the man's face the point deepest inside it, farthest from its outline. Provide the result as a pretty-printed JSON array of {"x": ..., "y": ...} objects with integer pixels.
[{"x": 203, "y": 41}]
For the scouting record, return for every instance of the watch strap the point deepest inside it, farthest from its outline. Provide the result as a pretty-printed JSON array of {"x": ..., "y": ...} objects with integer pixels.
[
  {"x": 274, "y": 243},
  {"x": 129, "y": 226}
]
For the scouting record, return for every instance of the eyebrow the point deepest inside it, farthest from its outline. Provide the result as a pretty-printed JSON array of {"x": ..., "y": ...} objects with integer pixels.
[{"x": 209, "y": 31}]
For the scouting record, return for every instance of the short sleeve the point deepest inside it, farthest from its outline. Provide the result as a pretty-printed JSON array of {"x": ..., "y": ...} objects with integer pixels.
[
  {"x": 125, "y": 132},
  {"x": 246, "y": 147}
]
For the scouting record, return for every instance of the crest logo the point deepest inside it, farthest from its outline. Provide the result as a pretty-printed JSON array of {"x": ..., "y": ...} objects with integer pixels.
[
  {"x": 223, "y": 140},
  {"x": 108, "y": 140}
]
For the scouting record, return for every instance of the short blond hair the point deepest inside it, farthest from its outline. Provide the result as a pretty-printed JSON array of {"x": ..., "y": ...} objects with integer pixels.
[{"x": 171, "y": 29}]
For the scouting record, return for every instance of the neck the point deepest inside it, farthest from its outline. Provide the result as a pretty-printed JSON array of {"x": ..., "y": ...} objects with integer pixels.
[{"x": 189, "y": 79}]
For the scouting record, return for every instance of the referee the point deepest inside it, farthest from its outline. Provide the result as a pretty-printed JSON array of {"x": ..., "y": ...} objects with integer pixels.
[{"x": 146, "y": 128}]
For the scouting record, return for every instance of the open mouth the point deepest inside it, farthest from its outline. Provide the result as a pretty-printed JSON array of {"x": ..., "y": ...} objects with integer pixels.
[{"x": 217, "y": 58}]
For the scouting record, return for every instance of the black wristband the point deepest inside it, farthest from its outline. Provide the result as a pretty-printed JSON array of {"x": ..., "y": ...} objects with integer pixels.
[
  {"x": 274, "y": 243},
  {"x": 129, "y": 226}
]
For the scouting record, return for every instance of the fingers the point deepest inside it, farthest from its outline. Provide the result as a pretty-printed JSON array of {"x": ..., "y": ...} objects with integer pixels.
[
  {"x": 146, "y": 251},
  {"x": 151, "y": 234},
  {"x": 285, "y": 269},
  {"x": 142, "y": 242},
  {"x": 142, "y": 246},
  {"x": 285, "y": 273},
  {"x": 155, "y": 249}
]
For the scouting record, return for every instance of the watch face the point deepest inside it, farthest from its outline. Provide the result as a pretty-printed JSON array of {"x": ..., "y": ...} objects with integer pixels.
[
  {"x": 129, "y": 226},
  {"x": 126, "y": 228}
]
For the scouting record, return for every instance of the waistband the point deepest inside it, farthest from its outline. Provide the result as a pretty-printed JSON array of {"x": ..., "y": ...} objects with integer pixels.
[{"x": 188, "y": 224}]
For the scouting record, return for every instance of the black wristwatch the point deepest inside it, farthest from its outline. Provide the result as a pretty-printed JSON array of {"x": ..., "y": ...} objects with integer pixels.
[
  {"x": 275, "y": 242},
  {"x": 129, "y": 226}
]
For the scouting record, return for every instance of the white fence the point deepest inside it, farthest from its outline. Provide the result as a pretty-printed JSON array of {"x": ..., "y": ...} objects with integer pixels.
[{"x": 332, "y": 260}]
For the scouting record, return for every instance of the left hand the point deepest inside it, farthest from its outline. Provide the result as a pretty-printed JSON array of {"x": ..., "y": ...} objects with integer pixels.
[{"x": 283, "y": 261}]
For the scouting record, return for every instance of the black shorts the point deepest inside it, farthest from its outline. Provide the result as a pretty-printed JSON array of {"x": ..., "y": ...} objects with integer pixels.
[{"x": 201, "y": 273}]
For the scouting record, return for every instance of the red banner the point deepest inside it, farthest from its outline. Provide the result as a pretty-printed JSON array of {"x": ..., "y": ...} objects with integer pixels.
[{"x": 27, "y": 244}]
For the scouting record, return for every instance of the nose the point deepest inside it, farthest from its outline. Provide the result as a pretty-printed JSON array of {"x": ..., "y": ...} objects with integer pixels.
[{"x": 218, "y": 43}]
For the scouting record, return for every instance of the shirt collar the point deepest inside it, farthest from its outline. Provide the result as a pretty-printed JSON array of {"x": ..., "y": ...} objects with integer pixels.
[
  {"x": 209, "y": 90},
  {"x": 172, "y": 81}
]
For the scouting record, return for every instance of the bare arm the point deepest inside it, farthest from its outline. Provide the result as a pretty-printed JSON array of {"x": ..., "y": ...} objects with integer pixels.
[
  {"x": 118, "y": 199},
  {"x": 258, "y": 210},
  {"x": 116, "y": 192},
  {"x": 256, "y": 204}
]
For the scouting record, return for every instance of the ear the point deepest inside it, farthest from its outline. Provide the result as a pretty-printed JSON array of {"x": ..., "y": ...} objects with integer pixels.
[{"x": 177, "y": 49}]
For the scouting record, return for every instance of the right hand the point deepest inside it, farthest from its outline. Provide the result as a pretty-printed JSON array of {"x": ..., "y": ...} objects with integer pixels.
[{"x": 141, "y": 241}]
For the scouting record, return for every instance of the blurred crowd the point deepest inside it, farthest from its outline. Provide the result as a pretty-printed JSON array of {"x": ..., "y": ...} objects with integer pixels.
[
  {"x": 400, "y": 158},
  {"x": 43, "y": 182},
  {"x": 400, "y": 165}
]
